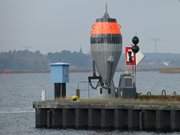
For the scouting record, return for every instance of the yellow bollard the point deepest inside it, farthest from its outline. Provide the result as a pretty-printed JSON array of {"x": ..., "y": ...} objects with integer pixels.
[{"x": 74, "y": 98}]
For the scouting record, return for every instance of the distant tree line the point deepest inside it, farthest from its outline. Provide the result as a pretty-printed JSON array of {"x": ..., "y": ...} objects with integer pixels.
[
  {"x": 77, "y": 60},
  {"x": 28, "y": 61}
]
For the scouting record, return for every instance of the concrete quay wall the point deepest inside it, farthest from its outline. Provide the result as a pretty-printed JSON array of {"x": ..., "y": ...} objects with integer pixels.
[{"x": 114, "y": 118}]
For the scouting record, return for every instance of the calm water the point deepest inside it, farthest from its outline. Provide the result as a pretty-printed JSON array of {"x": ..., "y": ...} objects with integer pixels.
[{"x": 18, "y": 91}]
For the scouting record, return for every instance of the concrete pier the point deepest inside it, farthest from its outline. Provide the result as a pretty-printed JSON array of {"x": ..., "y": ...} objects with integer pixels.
[{"x": 104, "y": 114}]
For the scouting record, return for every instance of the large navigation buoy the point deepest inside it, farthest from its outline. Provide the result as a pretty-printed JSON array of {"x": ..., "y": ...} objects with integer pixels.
[{"x": 106, "y": 47}]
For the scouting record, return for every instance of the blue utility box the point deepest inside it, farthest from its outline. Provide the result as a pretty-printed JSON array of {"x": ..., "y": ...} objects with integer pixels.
[{"x": 59, "y": 72}]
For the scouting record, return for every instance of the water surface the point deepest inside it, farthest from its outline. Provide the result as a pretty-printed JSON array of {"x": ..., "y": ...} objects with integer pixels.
[{"x": 18, "y": 91}]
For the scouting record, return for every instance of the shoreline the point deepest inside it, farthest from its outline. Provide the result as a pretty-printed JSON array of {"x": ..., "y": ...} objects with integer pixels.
[
  {"x": 170, "y": 70},
  {"x": 71, "y": 71}
]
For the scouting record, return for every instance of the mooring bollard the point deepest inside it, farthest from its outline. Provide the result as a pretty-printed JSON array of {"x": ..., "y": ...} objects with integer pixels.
[
  {"x": 43, "y": 95},
  {"x": 163, "y": 93},
  {"x": 148, "y": 93},
  {"x": 174, "y": 93}
]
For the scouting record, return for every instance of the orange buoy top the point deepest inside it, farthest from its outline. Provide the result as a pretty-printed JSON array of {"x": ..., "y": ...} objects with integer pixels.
[{"x": 106, "y": 29}]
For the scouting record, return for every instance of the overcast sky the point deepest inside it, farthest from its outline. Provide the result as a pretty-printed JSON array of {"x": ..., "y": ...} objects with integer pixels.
[{"x": 55, "y": 25}]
